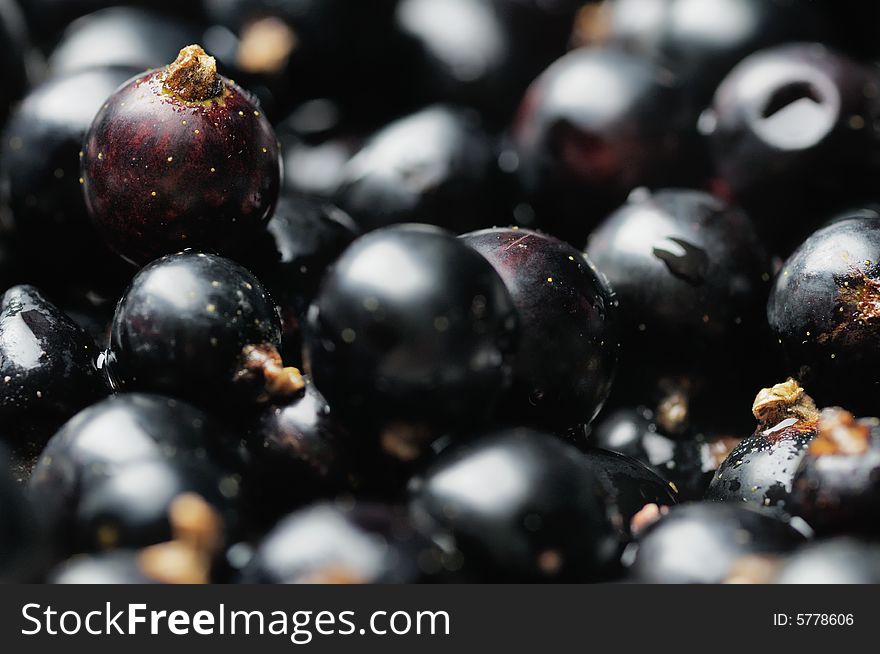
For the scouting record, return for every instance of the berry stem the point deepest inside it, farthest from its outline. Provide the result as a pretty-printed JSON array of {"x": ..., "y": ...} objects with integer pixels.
[{"x": 193, "y": 75}]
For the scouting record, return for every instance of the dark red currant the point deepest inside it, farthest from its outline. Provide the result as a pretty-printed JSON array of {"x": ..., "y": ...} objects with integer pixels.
[{"x": 165, "y": 134}]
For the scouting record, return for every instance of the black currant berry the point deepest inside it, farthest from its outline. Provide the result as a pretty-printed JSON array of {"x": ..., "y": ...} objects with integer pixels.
[
  {"x": 411, "y": 332},
  {"x": 519, "y": 506},
  {"x": 760, "y": 470},
  {"x": 108, "y": 478},
  {"x": 699, "y": 543},
  {"x": 837, "y": 487},
  {"x": 823, "y": 311},
  {"x": 200, "y": 327},
  {"x": 47, "y": 370},
  {"x": 568, "y": 345},
  {"x": 791, "y": 130},
  {"x": 691, "y": 279}
]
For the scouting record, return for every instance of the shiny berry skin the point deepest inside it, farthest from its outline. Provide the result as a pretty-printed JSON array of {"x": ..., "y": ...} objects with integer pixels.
[
  {"x": 323, "y": 544},
  {"x": 823, "y": 312},
  {"x": 691, "y": 279},
  {"x": 107, "y": 478},
  {"x": 411, "y": 326},
  {"x": 567, "y": 354},
  {"x": 137, "y": 37},
  {"x": 41, "y": 170},
  {"x": 760, "y": 470},
  {"x": 837, "y": 486},
  {"x": 199, "y": 327},
  {"x": 447, "y": 181},
  {"x": 835, "y": 561},
  {"x": 47, "y": 369},
  {"x": 587, "y": 134},
  {"x": 160, "y": 137},
  {"x": 790, "y": 130},
  {"x": 698, "y": 543},
  {"x": 298, "y": 453},
  {"x": 518, "y": 505}
]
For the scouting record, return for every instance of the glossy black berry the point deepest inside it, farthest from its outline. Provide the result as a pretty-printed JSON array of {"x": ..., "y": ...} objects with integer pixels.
[
  {"x": 448, "y": 180},
  {"x": 587, "y": 134},
  {"x": 568, "y": 346},
  {"x": 837, "y": 487},
  {"x": 691, "y": 278},
  {"x": 836, "y": 561},
  {"x": 199, "y": 327},
  {"x": 325, "y": 544},
  {"x": 518, "y": 505},
  {"x": 822, "y": 310},
  {"x": 760, "y": 470},
  {"x": 412, "y": 331},
  {"x": 47, "y": 369},
  {"x": 165, "y": 133},
  {"x": 791, "y": 130},
  {"x": 698, "y": 543},
  {"x": 40, "y": 177},
  {"x": 108, "y": 477}
]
